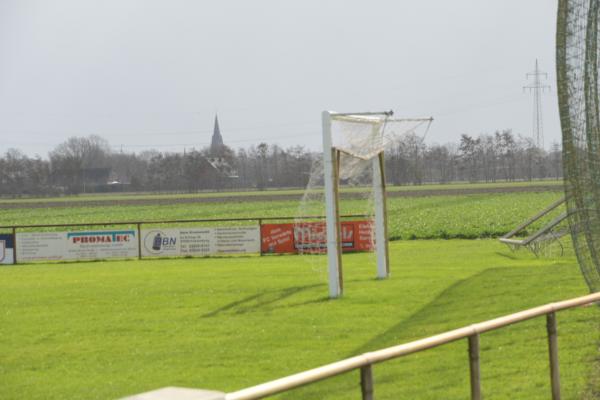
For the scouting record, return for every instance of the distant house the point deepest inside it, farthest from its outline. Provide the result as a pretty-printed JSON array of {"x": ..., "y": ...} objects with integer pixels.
[
  {"x": 95, "y": 176},
  {"x": 222, "y": 167}
]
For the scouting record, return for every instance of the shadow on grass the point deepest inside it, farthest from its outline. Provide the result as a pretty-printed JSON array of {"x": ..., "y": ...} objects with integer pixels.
[
  {"x": 445, "y": 312},
  {"x": 418, "y": 324},
  {"x": 270, "y": 299},
  {"x": 511, "y": 254},
  {"x": 259, "y": 301},
  {"x": 399, "y": 333}
]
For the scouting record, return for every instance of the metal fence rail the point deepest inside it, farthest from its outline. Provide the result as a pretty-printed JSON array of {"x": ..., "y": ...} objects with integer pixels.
[
  {"x": 174, "y": 221},
  {"x": 472, "y": 333}
]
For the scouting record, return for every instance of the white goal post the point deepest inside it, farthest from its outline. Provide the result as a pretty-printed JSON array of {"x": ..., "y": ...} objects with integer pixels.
[
  {"x": 331, "y": 159},
  {"x": 363, "y": 136}
]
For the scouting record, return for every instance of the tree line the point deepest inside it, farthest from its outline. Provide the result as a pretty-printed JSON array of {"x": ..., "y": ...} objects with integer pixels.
[
  {"x": 87, "y": 164},
  {"x": 501, "y": 156}
]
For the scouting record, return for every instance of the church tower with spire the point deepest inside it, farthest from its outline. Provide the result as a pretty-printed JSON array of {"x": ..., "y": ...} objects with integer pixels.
[{"x": 216, "y": 144}]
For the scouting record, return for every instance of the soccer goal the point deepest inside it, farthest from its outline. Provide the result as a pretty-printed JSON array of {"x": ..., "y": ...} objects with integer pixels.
[
  {"x": 540, "y": 239},
  {"x": 354, "y": 144}
]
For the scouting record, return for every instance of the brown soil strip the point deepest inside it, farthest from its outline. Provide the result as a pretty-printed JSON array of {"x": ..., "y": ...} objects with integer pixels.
[{"x": 272, "y": 197}]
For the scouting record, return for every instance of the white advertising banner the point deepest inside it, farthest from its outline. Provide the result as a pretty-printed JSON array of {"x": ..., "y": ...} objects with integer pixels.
[
  {"x": 237, "y": 240},
  {"x": 101, "y": 245},
  {"x": 200, "y": 241},
  {"x": 41, "y": 246},
  {"x": 177, "y": 242},
  {"x": 78, "y": 245},
  {"x": 197, "y": 242}
]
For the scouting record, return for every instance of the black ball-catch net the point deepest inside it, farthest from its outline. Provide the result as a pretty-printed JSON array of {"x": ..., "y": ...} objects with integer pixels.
[{"x": 577, "y": 81}]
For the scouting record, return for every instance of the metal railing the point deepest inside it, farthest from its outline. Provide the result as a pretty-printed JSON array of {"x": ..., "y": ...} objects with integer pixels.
[{"x": 365, "y": 361}]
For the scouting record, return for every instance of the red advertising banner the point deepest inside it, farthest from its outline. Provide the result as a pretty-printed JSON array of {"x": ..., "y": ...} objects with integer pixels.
[
  {"x": 277, "y": 238},
  {"x": 364, "y": 237},
  {"x": 311, "y": 237}
]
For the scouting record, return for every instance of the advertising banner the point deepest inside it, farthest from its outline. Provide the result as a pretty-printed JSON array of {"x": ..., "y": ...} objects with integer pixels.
[
  {"x": 48, "y": 246},
  {"x": 200, "y": 241},
  {"x": 41, "y": 246},
  {"x": 6, "y": 248},
  {"x": 237, "y": 240},
  {"x": 311, "y": 237},
  {"x": 307, "y": 237},
  {"x": 277, "y": 238},
  {"x": 161, "y": 242},
  {"x": 197, "y": 242},
  {"x": 101, "y": 244},
  {"x": 363, "y": 236}
]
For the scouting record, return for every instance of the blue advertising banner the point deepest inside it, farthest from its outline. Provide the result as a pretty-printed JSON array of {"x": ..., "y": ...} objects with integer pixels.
[{"x": 7, "y": 247}]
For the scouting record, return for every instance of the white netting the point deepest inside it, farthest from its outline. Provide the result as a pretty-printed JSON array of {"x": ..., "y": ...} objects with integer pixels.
[
  {"x": 364, "y": 137},
  {"x": 359, "y": 139}
]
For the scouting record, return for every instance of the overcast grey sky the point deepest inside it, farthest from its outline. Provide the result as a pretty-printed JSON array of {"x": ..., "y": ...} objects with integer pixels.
[{"x": 149, "y": 73}]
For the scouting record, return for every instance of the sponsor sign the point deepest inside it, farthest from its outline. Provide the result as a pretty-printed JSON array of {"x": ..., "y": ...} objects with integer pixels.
[
  {"x": 277, "y": 238},
  {"x": 177, "y": 242},
  {"x": 311, "y": 237},
  {"x": 200, "y": 241},
  {"x": 161, "y": 242},
  {"x": 6, "y": 249},
  {"x": 237, "y": 240},
  {"x": 363, "y": 236},
  {"x": 101, "y": 244},
  {"x": 44, "y": 246},
  {"x": 197, "y": 242},
  {"x": 307, "y": 237},
  {"x": 40, "y": 246}
]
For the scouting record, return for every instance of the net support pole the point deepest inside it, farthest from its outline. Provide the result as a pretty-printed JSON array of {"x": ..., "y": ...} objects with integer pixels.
[
  {"x": 553, "y": 352},
  {"x": 381, "y": 237},
  {"x": 331, "y": 209}
]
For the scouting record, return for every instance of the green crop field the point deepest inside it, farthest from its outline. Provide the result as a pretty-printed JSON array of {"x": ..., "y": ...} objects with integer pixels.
[
  {"x": 466, "y": 216},
  {"x": 102, "y": 330}
]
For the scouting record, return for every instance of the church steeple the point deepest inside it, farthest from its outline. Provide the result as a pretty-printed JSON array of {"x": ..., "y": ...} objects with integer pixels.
[{"x": 216, "y": 143}]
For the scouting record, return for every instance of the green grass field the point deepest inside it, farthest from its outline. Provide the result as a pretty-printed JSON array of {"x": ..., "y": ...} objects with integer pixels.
[{"x": 102, "y": 330}]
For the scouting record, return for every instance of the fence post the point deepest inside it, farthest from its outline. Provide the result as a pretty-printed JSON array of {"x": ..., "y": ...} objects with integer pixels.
[
  {"x": 14, "y": 235},
  {"x": 139, "y": 235},
  {"x": 260, "y": 234},
  {"x": 474, "y": 367},
  {"x": 553, "y": 350},
  {"x": 366, "y": 382}
]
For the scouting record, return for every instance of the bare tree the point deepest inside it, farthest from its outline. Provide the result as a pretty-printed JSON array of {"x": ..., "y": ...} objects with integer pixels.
[{"x": 72, "y": 159}]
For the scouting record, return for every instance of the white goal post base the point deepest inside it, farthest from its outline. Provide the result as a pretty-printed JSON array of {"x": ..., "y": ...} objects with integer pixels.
[{"x": 331, "y": 157}]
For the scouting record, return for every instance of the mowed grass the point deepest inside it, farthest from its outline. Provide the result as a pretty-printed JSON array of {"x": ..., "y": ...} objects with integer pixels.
[
  {"x": 432, "y": 217},
  {"x": 103, "y": 330}
]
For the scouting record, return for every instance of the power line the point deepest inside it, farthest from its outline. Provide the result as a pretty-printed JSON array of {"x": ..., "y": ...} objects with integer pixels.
[
  {"x": 146, "y": 133},
  {"x": 537, "y": 87},
  {"x": 257, "y": 140}
]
